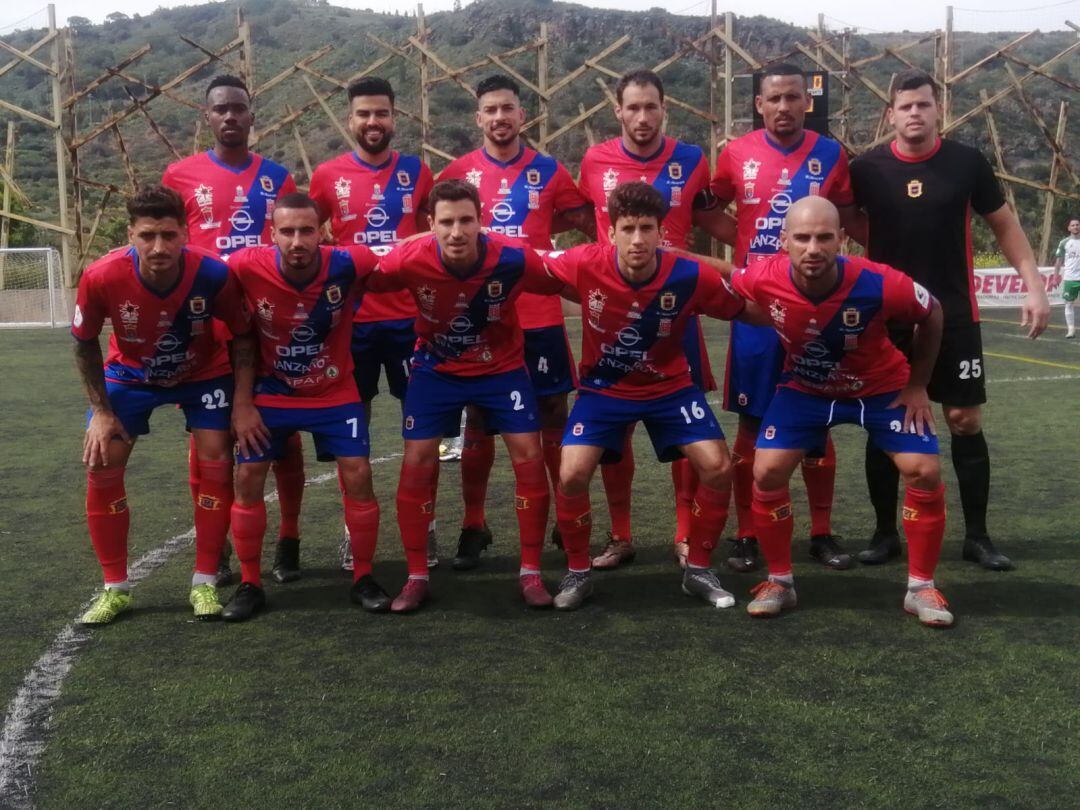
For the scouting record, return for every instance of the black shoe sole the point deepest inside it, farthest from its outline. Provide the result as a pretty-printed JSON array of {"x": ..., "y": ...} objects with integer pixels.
[
  {"x": 284, "y": 575},
  {"x": 241, "y": 618},
  {"x": 986, "y": 560}
]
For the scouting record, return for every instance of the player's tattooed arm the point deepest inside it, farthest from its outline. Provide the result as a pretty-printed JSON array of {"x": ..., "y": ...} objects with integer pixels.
[
  {"x": 1035, "y": 311},
  {"x": 924, "y": 352},
  {"x": 247, "y": 424},
  {"x": 854, "y": 222},
  {"x": 104, "y": 424}
]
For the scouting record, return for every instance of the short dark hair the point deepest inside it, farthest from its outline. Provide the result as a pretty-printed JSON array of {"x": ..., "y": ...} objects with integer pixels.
[
  {"x": 452, "y": 191},
  {"x": 371, "y": 86},
  {"x": 497, "y": 81},
  {"x": 225, "y": 80},
  {"x": 912, "y": 79},
  {"x": 643, "y": 77},
  {"x": 157, "y": 202},
  {"x": 296, "y": 199},
  {"x": 636, "y": 199},
  {"x": 783, "y": 69},
  {"x": 1072, "y": 219}
]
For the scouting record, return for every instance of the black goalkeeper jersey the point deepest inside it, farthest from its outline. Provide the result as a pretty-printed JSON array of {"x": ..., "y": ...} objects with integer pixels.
[{"x": 920, "y": 217}]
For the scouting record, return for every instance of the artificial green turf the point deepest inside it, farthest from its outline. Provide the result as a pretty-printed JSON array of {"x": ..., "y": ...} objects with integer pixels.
[{"x": 643, "y": 698}]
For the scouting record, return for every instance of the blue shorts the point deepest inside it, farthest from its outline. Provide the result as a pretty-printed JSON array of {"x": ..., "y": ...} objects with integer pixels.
[
  {"x": 684, "y": 417},
  {"x": 382, "y": 345},
  {"x": 549, "y": 361},
  {"x": 755, "y": 361},
  {"x": 339, "y": 432},
  {"x": 434, "y": 402},
  {"x": 207, "y": 404},
  {"x": 697, "y": 356},
  {"x": 799, "y": 421}
]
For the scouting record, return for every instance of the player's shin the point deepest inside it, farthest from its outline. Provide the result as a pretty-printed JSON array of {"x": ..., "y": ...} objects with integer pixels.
[
  {"x": 362, "y": 521},
  {"x": 819, "y": 475},
  {"x": 574, "y": 516},
  {"x": 477, "y": 457},
  {"x": 742, "y": 479},
  {"x": 708, "y": 514},
  {"x": 108, "y": 519},
  {"x": 618, "y": 480},
  {"x": 924, "y": 527},
  {"x": 415, "y": 510},
  {"x": 213, "y": 505},
  {"x": 249, "y": 528},
  {"x": 193, "y": 471},
  {"x": 882, "y": 481},
  {"x": 289, "y": 476},
  {"x": 685, "y": 479},
  {"x": 773, "y": 525},
  {"x": 532, "y": 502}
]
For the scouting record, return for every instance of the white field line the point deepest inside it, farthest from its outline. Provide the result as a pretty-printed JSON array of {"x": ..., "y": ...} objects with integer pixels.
[{"x": 29, "y": 714}]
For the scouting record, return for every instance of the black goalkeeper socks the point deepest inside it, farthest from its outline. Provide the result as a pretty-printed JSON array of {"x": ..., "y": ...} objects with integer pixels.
[
  {"x": 882, "y": 481},
  {"x": 971, "y": 460}
]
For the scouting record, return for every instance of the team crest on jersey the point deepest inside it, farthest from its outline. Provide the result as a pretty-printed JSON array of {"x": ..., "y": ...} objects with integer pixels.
[
  {"x": 674, "y": 171},
  {"x": 667, "y": 301},
  {"x": 814, "y": 166},
  {"x": 611, "y": 179},
  {"x": 197, "y": 305},
  {"x": 333, "y": 294},
  {"x": 403, "y": 178},
  {"x": 750, "y": 169},
  {"x": 426, "y": 297},
  {"x": 494, "y": 289},
  {"x": 267, "y": 184},
  {"x": 777, "y": 312},
  {"x": 264, "y": 308},
  {"x": 852, "y": 316},
  {"x": 914, "y": 188},
  {"x": 532, "y": 177},
  {"x": 474, "y": 176}
]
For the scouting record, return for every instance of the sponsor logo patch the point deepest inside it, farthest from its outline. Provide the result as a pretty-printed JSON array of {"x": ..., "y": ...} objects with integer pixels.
[{"x": 914, "y": 188}]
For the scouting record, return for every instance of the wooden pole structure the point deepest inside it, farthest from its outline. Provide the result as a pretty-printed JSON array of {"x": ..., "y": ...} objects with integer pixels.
[
  {"x": 999, "y": 156},
  {"x": 729, "y": 79},
  {"x": 845, "y": 87},
  {"x": 946, "y": 69},
  {"x": 1048, "y": 204},
  {"x": 425, "y": 101},
  {"x": 247, "y": 58},
  {"x": 5, "y": 223},
  {"x": 300, "y": 145},
  {"x": 714, "y": 129},
  {"x": 542, "y": 84},
  {"x": 61, "y": 149}
]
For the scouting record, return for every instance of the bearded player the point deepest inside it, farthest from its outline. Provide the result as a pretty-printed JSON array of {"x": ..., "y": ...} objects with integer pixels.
[
  {"x": 293, "y": 373},
  {"x": 528, "y": 196},
  {"x": 764, "y": 172},
  {"x": 680, "y": 172},
  {"x": 229, "y": 193},
  {"x": 161, "y": 297},
  {"x": 375, "y": 196}
]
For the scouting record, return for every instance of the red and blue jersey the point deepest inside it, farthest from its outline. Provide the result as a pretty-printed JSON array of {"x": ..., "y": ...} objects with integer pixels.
[
  {"x": 467, "y": 324},
  {"x": 764, "y": 179},
  {"x": 228, "y": 207},
  {"x": 159, "y": 338},
  {"x": 520, "y": 198},
  {"x": 677, "y": 170},
  {"x": 632, "y": 334},
  {"x": 838, "y": 346},
  {"x": 303, "y": 331},
  {"x": 374, "y": 206}
]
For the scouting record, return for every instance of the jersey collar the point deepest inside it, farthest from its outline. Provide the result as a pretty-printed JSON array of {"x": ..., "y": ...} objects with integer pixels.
[
  {"x": 646, "y": 158},
  {"x": 162, "y": 294},
  {"x": 508, "y": 163},
  {"x": 289, "y": 281},
  {"x": 234, "y": 169},
  {"x": 637, "y": 285},
  {"x": 785, "y": 150},
  {"x": 906, "y": 159},
  {"x": 480, "y": 257},
  {"x": 840, "y": 267},
  {"x": 371, "y": 166}
]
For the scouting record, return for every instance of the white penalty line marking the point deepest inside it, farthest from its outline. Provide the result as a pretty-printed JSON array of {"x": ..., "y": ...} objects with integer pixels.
[{"x": 29, "y": 714}]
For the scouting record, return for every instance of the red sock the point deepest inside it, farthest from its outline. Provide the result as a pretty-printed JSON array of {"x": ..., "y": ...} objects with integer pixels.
[
  {"x": 742, "y": 480},
  {"x": 248, "y": 530},
  {"x": 212, "y": 509},
  {"x": 551, "y": 439},
  {"x": 574, "y": 515},
  {"x": 685, "y": 479},
  {"x": 708, "y": 514},
  {"x": 289, "y": 475},
  {"x": 924, "y": 527},
  {"x": 108, "y": 518},
  {"x": 362, "y": 521},
  {"x": 193, "y": 471},
  {"x": 415, "y": 511},
  {"x": 532, "y": 500},
  {"x": 618, "y": 480},
  {"x": 477, "y": 456},
  {"x": 773, "y": 525},
  {"x": 819, "y": 474}
]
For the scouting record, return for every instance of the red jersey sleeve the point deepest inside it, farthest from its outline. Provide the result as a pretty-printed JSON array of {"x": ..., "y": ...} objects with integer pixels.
[
  {"x": 903, "y": 298},
  {"x": 723, "y": 183},
  {"x": 744, "y": 280},
  {"x": 563, "y": 265},
  {"x": 567, "y": 195},
  {"x": 537, "y": 279},
  {"x": 388, "y": 275},
  {"x": 840, "y": 192},
  {"x": 717, "y": 300},
  {"x": 320, "y": 192},
  {"x": 90, "y": 308}
]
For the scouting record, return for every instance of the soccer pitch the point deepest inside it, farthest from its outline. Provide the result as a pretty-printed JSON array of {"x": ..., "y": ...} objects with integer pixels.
[{"x": 642, "y": 698}]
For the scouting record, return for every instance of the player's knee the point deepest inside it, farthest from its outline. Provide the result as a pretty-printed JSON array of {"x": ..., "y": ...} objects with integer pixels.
[
  {"x": 964, "y": 421},
  {"x": 716, "y": 474},
  {"x": 923, "y": 472},
  {"x": 770, "y": 476},
  {"x": 356, "y": 478},
  {"x": 250, "y": 479},
  {"x": 573, "y": 478}
]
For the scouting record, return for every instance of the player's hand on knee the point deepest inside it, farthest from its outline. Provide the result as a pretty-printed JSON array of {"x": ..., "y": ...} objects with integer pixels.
[
  {"x": 103, "y": 428},
  {"x": 252, "y": 437},
  {"x": 1035, "y": 313},
  {"x": 917, "y": 410}
]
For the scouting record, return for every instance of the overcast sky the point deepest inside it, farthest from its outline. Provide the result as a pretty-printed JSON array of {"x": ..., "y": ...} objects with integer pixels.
[{"x": 914, "y": 15}]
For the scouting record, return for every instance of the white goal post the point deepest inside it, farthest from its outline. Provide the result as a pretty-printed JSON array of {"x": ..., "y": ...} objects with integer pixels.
[{"x": 32, "y": 289}]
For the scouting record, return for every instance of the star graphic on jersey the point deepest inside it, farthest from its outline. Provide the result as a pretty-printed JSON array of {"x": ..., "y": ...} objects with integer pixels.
[
  {"x": 265, "y": 308},
  {"x": 129, "y": 311},
  {"x": 597, "y": 300},
  {"x": 750, "y": 169},
  {"x": 426, "y": 296},
  {"x": 777, "y": 311},
  {"x": 611, "y": 179},
  {"x": 473, "y": 176},
  {"x": 204, "y": 195},
  {"x": 342, "y": 187}
]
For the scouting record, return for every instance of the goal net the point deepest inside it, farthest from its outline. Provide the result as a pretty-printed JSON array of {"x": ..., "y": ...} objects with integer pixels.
[{"x": 32, "y": 288}]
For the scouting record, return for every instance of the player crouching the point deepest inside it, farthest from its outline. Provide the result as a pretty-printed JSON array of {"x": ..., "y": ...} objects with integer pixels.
[
  {"x": 831, "y": 312},
  {"x": 161, "y": 297},
  {"x": 636, "y": 303},
  {"x": 301, "y": 296}
]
